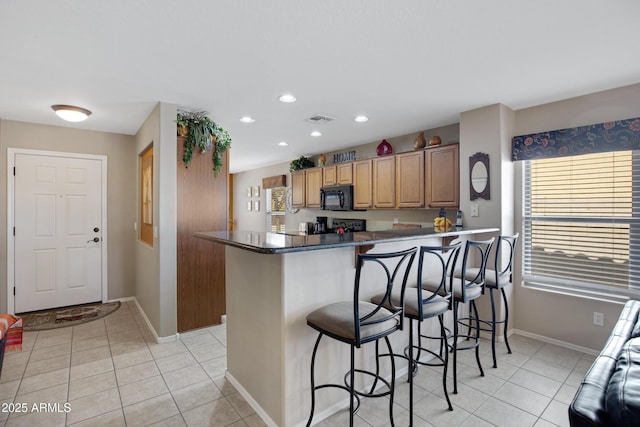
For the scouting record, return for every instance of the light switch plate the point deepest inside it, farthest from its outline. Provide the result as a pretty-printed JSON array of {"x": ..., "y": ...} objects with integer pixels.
[{"x": 474, "y": 209}]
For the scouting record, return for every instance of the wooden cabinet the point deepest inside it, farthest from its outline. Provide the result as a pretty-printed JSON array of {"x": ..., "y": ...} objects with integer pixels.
[
  {"x": 384, "y": 182},
  {"x": 414, "y": 180},
  {"x": 410, "y": 180},
  {"x": 443, "y": 176},
  {"x": 341, "y": 174},
  {"x": 314, "y": 183},
  {"x": 329, "y": 176},
  {"x": 362, "y": 185},
  {"x": 344, "y": 173},
  {"x": 298, "y": 189}
]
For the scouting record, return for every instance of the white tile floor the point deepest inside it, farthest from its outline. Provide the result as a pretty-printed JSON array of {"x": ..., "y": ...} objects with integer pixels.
[{"x": 111, "y": 372}]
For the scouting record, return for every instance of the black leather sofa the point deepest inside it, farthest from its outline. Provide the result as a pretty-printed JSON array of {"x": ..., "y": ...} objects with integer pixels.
[{"x": 609, "y": 394}]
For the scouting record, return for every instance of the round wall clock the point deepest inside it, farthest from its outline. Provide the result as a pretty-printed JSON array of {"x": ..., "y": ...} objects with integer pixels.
[{"x": 290, "y": 208}]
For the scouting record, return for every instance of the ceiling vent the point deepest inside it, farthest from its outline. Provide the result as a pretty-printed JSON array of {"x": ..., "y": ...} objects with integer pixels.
[{"x": 320, "y": 119}]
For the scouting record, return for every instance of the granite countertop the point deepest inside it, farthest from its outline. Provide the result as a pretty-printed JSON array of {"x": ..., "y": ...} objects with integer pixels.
[{"x": 276, "y": 243}]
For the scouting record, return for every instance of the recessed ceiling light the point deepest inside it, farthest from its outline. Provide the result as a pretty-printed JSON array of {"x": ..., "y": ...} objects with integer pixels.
[
  {"x": 287, "y": 97},
  {"x": 71, "y": 113},
  {"x": 247, "y": 119},
  {"x": 361, "y": 119},
  {"x": 282, "y": 144},
  {"x": 316, "y": 133}
]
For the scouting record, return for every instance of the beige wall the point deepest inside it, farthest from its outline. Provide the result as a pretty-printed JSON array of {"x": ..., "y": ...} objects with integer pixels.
[
  {"x": 562, "y": 317},
  {"x": 155, "y": 269},
  {"x": 489, "y": 130},
  {"x": 121, "y": 191}
]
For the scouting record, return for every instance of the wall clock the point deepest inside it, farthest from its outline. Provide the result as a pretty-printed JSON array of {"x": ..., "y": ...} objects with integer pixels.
[{"x": 290, "y": 208}]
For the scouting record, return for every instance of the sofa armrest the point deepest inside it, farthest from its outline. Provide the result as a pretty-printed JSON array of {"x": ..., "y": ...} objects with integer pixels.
[{"x": 588, "y": 407}]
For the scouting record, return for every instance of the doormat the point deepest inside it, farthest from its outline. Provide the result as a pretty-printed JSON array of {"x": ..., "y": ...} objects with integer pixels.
[{"x": 67, "y": 316}]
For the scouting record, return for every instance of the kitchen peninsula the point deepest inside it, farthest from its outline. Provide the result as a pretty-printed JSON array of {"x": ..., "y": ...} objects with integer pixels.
[{"x": 272, "y": 282}]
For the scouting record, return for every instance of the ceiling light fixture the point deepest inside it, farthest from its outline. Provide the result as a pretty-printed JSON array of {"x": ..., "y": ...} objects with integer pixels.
[
  {"x": 282, "y": 144},
  {"x": 361, "y": 119},
  {"x": 71, "y": 113},
  {"x": 316, "y": 133},
  {"x": 287, "y": 97},
  {"x": 247, "y": 119}
]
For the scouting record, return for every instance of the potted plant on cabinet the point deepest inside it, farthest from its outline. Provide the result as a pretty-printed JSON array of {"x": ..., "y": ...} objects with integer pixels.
[
  {"x": 203, "y": 134},
  {"x": 301, "y": 163}
]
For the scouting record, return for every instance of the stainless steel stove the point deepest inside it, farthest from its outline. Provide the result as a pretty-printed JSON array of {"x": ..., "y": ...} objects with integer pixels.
[{"x": 339, "y": 225}]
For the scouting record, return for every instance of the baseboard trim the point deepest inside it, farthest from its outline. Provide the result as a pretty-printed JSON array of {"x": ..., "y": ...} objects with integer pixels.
[
  {"x": 159, "y": 340},
  {"x": 250, "y": 400},
  {"x": 557, "y": 342}
]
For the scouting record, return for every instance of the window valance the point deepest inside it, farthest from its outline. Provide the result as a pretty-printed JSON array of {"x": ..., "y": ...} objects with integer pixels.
[
  {"x": 598, "y": 138},
  {"x": 274, "y": 181}
]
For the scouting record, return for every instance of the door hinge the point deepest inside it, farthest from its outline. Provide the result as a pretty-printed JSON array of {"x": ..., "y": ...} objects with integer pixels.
[
  {"x": 14, "y": 291},
  {"x": 14, "y": 171},
  {"x": 14, "y": 231}
]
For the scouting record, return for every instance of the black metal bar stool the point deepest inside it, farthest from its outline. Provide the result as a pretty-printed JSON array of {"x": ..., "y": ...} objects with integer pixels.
[
  {"x": 359, "y": 322},
  {"x": 425, "y": 304},
  {"x": 497, "y": 279},
  {"x": 420, "y": 304},
  {"x": 467, "y": 291}
]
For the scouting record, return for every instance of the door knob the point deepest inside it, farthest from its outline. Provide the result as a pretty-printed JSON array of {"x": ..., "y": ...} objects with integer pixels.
[
  {"x": 96, "y": 229},
  {"x": 95, "y": 239}
]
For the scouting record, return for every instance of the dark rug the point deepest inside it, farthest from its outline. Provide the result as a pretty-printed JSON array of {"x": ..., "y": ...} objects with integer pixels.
[{"x": 67, "y": 316}]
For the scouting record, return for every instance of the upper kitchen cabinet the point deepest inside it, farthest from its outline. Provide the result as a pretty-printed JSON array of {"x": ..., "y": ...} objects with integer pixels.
[
  {"x": 443, "y": 176},
  {"x": 345, "y": 173},
  {"x": 314, "y": 183},
  {"x": 340, "y": 174},
  {"x": 329, "y": 176},
  {"x": 298, "y": 189},
  {"x": 384, "y": 182},
  {"x": 410, "y": 180},
  {"x": 362, "y": 188}
]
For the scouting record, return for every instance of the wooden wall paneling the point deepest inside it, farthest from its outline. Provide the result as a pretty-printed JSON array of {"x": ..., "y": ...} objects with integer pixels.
[{"x": 202, "y": 206}]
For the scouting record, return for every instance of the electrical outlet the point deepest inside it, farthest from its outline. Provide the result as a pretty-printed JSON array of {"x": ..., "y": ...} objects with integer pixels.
[
  {"x": 598, "y": 318},
  {"x": 474, "y": 209},
  {"x": 395, "y": 220}
]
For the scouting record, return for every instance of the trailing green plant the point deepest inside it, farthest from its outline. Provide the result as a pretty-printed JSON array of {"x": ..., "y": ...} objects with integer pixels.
[
  {"x": 301, "y": 163},
  {"x": 203, "y": 134}
]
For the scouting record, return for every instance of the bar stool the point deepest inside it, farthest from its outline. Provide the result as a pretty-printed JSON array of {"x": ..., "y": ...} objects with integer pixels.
[
  {"x": 359, "y": 322},
  {"x": 467, "y": 291},
  {"x": 498, "y": 278},
  {"x": 422, "y": 304}
]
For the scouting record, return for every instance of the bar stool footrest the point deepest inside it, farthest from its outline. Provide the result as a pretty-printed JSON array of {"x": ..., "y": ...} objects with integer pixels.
[{"x": 375, "y": 382}]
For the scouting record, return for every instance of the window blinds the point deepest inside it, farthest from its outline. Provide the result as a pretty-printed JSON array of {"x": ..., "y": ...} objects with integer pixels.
[{"x": 581, "y": 220}]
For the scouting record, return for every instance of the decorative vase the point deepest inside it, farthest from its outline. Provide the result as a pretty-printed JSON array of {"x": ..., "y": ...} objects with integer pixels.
[
  {"x": 322, "y": 159},
  {"x": 435, "y": 140},
  {"x": 420, "y": 142}
]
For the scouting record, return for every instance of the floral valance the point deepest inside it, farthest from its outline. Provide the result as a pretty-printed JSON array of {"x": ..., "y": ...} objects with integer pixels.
[{"x": 599, "y": 138}]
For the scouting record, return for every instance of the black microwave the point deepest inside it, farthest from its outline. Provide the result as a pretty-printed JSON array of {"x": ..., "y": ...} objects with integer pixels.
[{"x": 337, "y": 198}]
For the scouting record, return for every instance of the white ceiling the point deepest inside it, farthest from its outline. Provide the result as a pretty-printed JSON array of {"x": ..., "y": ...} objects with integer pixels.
[{"x": 409, "y": 65}]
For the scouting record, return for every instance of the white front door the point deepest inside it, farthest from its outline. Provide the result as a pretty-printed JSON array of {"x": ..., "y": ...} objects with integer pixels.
[{"x": 58, "y": 231}]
